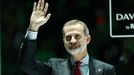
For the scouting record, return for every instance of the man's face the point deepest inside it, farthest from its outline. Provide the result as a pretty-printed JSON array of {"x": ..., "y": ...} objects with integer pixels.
[{"x": 75, "y": 41}]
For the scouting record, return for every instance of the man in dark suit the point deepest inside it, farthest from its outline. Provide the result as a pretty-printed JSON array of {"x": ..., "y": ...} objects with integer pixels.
[{"x": 75, "y": 37}]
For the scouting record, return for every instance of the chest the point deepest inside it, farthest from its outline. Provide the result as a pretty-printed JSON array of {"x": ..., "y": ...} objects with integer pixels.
[{"x": 67, "y": 70}]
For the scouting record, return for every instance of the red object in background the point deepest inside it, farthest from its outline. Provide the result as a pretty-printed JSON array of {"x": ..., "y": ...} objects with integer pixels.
[{"x": 100, "y": 20}]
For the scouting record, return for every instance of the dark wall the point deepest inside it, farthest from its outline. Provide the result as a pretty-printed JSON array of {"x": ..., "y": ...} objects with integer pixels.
[{"x": 15, "y": 20}]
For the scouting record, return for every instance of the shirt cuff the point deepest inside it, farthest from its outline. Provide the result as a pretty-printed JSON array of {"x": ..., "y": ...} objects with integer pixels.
[{"x": 31, "y": 35}]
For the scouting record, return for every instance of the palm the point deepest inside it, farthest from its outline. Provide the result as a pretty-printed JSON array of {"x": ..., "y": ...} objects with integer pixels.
[{"x": 39, "y": 16}]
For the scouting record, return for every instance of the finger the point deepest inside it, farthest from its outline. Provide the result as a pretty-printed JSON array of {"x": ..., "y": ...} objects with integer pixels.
[
  {"x": 34, "y": 6},
  {"x": 47, "y": 17},
  {"x": 45, "y": 9},
  {"x": 42, "y": 5},
  {"x": 38, "y": 5}
]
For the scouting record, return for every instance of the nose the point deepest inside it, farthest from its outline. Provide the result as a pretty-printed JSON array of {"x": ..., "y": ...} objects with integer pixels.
[{"x": 73, "y": 40}]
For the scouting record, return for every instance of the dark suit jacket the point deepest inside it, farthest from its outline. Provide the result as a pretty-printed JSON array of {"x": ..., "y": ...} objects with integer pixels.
[{"x": 56, "y": 66}]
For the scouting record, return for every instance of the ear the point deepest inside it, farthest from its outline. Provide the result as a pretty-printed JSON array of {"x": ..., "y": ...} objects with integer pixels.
[{"x": 88, "y": 39}]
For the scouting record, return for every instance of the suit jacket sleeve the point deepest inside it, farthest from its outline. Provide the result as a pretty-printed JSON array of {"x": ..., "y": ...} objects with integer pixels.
[{"x": 27, "y": 61}]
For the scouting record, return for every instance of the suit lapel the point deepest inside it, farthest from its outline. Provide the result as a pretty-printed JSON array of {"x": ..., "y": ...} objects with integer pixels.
[
  {"x": 65, "y": 68},
  {"x": 95, "y": 67},
  {"x": 91, "y": 67},
  {"x": 99, "y": 70}
]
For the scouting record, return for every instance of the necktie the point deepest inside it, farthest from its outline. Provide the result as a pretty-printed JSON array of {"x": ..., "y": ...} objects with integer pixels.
[{"x": 77, "y": 69}]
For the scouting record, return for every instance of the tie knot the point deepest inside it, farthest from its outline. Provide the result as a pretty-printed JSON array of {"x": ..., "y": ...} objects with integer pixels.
[{"x": 78, "y": 63}]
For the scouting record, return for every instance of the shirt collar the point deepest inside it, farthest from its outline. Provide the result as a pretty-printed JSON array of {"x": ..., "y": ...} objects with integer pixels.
[{"x": 85, "y": 60}]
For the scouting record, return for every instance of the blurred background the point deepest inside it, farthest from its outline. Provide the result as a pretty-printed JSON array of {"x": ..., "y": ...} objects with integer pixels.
[{"x": 95, "y": 13}]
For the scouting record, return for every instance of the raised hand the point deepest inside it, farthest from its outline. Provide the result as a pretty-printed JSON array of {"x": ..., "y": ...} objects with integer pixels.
[{"x": 39, "y": 16}]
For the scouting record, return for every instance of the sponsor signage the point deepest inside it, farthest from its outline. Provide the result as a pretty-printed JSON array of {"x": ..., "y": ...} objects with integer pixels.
[{"x": 121, "y": 16}]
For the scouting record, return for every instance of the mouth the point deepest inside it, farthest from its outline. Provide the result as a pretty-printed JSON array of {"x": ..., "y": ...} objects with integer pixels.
[{"x": 73, "y": 46}]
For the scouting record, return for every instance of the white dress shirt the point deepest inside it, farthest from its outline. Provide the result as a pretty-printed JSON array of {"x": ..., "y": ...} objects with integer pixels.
[{"x": 31, "y": 35}]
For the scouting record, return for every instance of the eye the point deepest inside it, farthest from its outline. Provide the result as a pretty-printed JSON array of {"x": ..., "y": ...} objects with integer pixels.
[
  {"x": 77, "y": 36},
  {"x": 68, "y": 38}
]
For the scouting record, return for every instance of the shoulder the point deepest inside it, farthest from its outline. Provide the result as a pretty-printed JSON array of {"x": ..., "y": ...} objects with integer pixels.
[
  {"x": 58, "y": 61},
  {"x": 108, "y": 69},
  {"x": 101, "y": 63}
]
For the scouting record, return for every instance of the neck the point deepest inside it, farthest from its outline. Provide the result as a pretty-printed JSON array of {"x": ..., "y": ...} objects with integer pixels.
[{"x": 79, "y": 56}]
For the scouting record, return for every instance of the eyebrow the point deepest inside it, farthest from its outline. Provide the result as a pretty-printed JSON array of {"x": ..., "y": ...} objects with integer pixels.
[{"x": 72, "y": 34}]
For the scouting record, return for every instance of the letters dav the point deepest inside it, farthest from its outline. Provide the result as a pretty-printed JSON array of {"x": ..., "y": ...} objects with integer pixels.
[{"x": 126, "y": 16}]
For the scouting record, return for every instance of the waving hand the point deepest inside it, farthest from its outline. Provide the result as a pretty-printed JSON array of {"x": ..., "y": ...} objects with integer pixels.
[{"x": 39, "y": 15}]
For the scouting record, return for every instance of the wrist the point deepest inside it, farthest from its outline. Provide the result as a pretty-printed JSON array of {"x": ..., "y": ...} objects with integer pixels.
[{"x": 33, "y": 27}]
